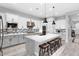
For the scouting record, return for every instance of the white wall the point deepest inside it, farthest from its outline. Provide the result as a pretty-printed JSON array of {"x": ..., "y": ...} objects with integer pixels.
[
  {"x": 77, "y": 26},
  {"x": 22, "y": 21},
  {"x": 49, "y": 25},
  {"x": 21, "y": 18},
  {"x": 75, "y": 23},
  {"x": 60, "y": 24}
]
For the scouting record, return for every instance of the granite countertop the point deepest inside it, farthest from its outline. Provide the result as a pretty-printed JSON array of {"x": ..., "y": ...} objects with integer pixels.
[
  {"x": 39, "y": 38},
  {"x": 9, "y": 34}
]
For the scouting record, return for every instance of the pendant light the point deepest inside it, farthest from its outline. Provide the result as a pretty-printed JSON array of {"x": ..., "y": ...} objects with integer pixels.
[
  {"x": 45, "y": 19},
  {"x": 53, "y": 23}
]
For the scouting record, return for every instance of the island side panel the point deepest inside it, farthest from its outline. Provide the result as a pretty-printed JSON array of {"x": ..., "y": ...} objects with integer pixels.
[{"x": 30, "y": 46}]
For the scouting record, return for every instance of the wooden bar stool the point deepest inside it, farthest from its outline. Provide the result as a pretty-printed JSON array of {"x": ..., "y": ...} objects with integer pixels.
[
  {"x": 52, "y": 46},
  {"x": 44, "y": 48},
  {"x": 60, "y": 41},
  {"x": 57, "y": 43}
]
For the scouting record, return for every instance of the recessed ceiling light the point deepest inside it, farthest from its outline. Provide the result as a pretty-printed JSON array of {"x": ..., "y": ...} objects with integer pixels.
[
  {"x": 56, "y": 13},
  {"x": 40, "y": 13},
  {"x": 37, "y": 8},
  {"x": 30, "y": 9},
  {"x": 77, "y": 14},
  {"x": 50, "y": 9}
]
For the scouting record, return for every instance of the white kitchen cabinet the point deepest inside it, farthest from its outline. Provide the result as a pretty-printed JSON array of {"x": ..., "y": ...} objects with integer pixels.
[
  {"x": 21, "y": 39},
  {"x": 7, "y": 40},
  {"x": 11, "y": 17},
  {"x": 12, "y": 40},
  {"x": 15, "y": 40}
]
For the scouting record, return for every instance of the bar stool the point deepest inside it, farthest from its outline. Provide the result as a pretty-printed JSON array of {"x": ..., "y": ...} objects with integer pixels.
[
  {"x": 52, "y": 46},
  {"x": 57, "y": 44},
  {"x": 60, "y": 43},
  {"x": 44, "y": 48}
]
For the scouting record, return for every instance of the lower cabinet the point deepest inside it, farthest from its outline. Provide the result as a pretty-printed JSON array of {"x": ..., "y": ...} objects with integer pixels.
[
  {"x": 12, "y": 40},
  {"x": 21, "y": 39},
  {"x": 7, "y": 40},
  {"x": 15, "y": 40}
]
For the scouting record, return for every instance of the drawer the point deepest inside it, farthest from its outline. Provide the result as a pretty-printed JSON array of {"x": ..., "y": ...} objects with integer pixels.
[
  {"x": 21, "y": 39},
  {"x": 15, "y": 40},
  {"x": 7, "y": 41}
]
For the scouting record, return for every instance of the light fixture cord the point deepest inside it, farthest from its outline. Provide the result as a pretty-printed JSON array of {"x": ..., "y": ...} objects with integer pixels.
[{"x": 45, "y": 10}]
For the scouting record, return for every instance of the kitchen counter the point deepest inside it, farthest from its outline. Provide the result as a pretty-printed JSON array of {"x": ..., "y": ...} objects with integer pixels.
[
  {"x": 33, "y": 42},
  {"x": 10, "y": 34},
  {"x": 42, "y": 38},
  {"x": 13, "y": 39}
]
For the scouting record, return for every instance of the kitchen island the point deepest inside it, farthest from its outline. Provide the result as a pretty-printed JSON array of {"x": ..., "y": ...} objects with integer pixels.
[{"x": 33, "y": 42}]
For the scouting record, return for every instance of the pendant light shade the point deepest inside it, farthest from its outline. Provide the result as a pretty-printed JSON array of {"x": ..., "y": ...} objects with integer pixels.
[
  {"x": 0, "y": 17},
  {"x": 53, "y": 22},
  {"x": 45, "y": 20}
]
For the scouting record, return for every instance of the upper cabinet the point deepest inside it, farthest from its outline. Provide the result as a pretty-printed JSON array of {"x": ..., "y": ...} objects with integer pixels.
[
  {"x": 21, "y": 21},
  {"x": 11, "y": 17}
]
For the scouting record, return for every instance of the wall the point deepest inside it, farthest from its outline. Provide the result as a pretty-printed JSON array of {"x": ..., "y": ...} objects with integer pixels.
[
  {"x": 20, "y": 18},
  {"x": 75, "y": 23},
  {"x": 60, "y": 24}
]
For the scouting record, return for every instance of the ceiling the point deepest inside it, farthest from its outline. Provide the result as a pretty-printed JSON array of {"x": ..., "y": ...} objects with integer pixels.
[{"x": 42, "y": 10}]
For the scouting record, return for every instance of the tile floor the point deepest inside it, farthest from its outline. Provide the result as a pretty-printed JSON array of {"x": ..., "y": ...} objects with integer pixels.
[{"x": 69, "y": 49}]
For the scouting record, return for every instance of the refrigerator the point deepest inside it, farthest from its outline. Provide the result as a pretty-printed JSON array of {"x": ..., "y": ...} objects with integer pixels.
[{"x": 1, "y": 35}]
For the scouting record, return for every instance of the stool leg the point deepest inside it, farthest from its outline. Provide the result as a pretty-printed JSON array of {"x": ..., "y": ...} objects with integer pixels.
[
  {"x": 40, "y": 52},
  {"x": 58, "y": 43},
  {"x": 51, "y": 49},
  {"x": 48, "y": 50},
  {"x": 55, "y": 46}
]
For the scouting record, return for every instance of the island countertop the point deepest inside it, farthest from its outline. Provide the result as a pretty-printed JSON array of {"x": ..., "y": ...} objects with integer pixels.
[
  {"x": 41, "y": 38},
  {"x": 33, "y": 42}
]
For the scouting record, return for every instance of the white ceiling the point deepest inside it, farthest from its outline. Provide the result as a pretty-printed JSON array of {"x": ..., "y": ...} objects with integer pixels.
[{"x": 38, "y": 9}]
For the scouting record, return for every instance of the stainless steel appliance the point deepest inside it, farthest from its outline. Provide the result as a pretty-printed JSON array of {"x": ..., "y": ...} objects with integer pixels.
[
  {"x": 12, "y": 27},
  {"x": 1, "y": 35}
]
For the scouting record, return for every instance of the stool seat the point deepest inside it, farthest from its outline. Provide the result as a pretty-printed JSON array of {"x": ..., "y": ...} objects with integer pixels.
[
  {"x": 45, "y": 45},
  {"x": 50, "y": 42}
]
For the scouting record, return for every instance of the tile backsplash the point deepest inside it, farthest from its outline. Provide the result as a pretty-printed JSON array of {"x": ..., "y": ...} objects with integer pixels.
[{"x": 26, "y": 30}]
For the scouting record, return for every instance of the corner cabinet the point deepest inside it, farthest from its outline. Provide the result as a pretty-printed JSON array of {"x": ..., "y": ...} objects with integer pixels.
[{"x": 12, "y": 40}]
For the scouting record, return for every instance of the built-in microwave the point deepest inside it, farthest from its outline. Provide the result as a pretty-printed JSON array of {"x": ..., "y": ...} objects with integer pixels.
[{"x": 12, "y": 25}]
